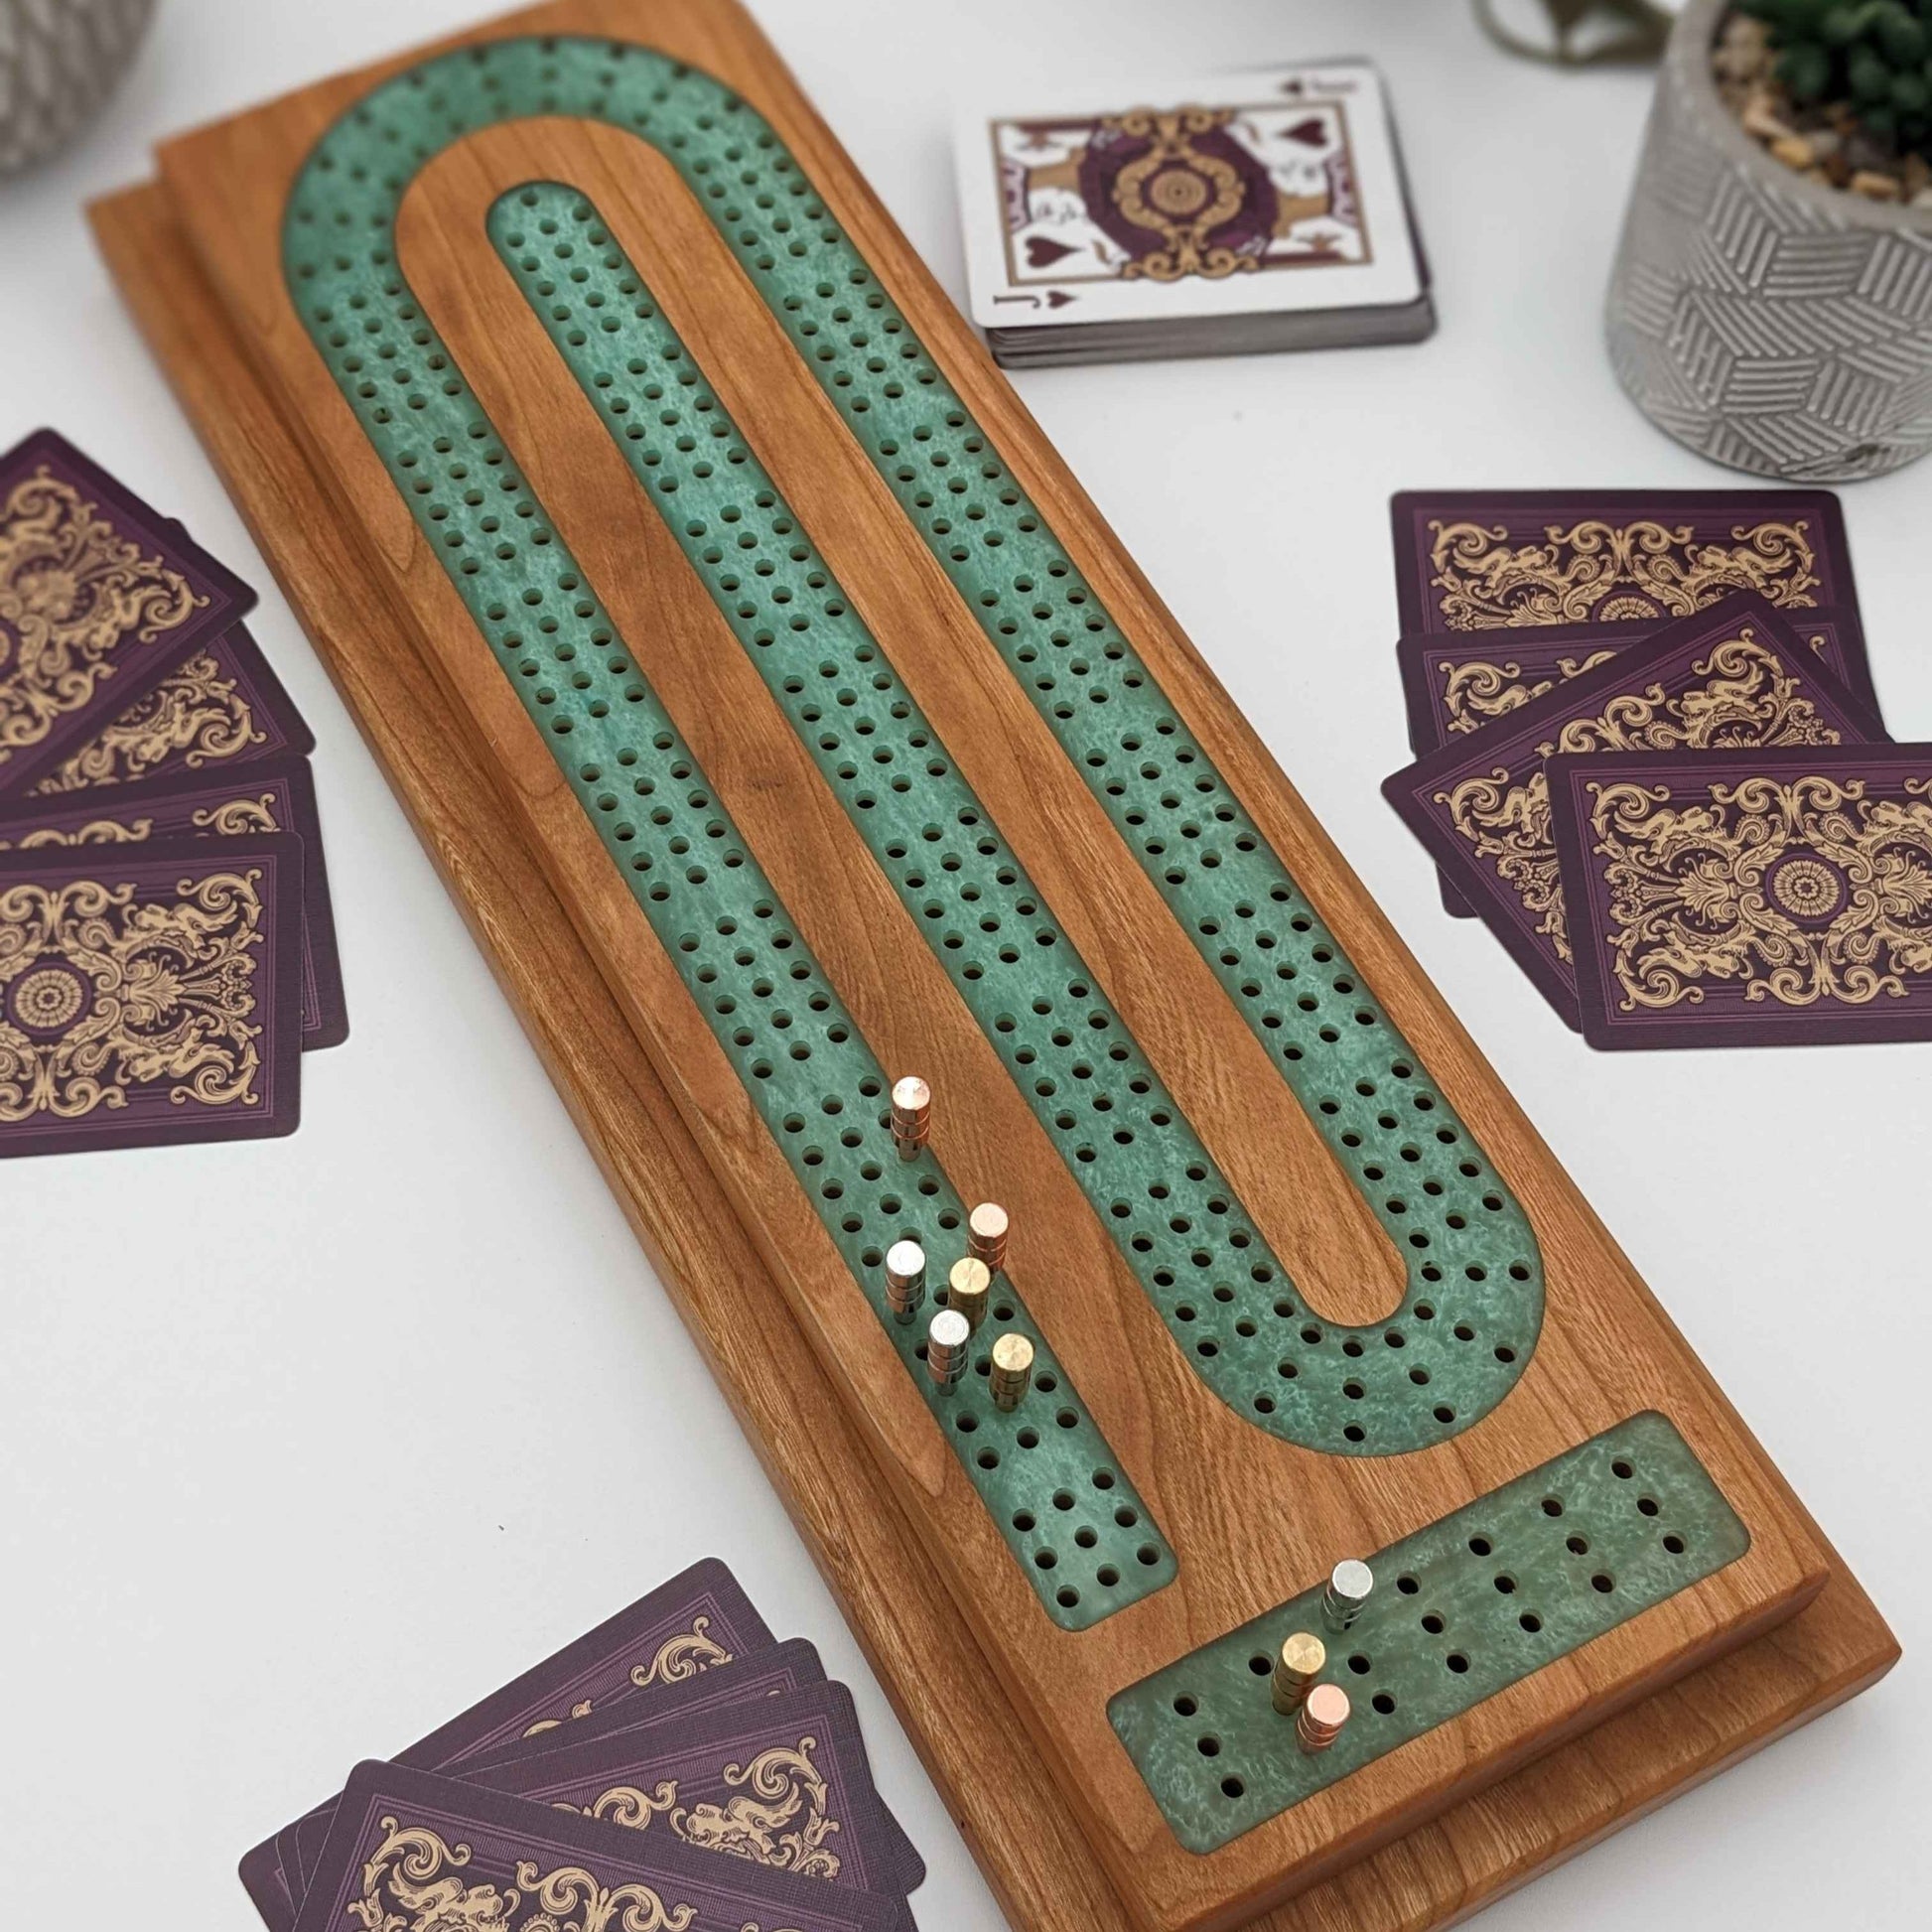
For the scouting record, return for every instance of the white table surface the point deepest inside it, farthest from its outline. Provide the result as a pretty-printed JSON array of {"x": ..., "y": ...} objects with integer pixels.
[{"x": 306, "y": 1443}]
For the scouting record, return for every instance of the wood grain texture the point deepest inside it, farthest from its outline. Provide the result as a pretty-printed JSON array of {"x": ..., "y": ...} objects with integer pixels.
[{"x": 367, "y": 589}]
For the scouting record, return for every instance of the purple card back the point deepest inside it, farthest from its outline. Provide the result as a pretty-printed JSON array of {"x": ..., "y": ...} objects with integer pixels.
[
  {"x": 789, "y": 1666},
  {"x": 1735, "y": 675},
  {"x": 149, "y": 992},
  {"x": 1456, "y": 686},
  {"x": 783, "y": 1781},
  {"x": 222, "y": 706},
  {"x": 698, "y": 1619},
  {"x": 270, "y": 796},
  {"x": 1486, "y": 560},
  {"x": 1750, "y": 898},
  {"x": 411, "y": 1848},
  {"x": 99, "y": 599}
]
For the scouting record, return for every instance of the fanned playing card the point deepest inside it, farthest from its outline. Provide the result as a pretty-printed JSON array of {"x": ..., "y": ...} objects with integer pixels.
[
  {"x": 100, "y": 598},
  {"x": 1237, "y": 210},
  {"x": 781, "y": 1782},
  {"x": 789, "y": 1666},
  {"x": 411, "y": 1849},
  {"x": 222, "y": 706},
  {"x": 1491, "y": 560},
  {"x": 149, "y": 992},
  {"x": 698, "y": 1619},
  {"x": 1749, "y": 897},
  {"x": 276, "y": 797},
  {"x": 1455, "y": 683},
  {"x": 1734, "y": 674}
]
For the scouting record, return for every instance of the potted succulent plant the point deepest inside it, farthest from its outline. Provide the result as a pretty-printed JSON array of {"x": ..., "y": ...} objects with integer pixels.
[{"x": 1771, "y": 303}]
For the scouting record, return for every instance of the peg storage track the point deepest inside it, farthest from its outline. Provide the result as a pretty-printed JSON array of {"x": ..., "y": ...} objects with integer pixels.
[{"x": 789, "y": 722}]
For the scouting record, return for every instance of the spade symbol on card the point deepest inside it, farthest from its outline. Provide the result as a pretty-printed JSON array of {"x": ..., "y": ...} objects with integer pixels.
[
  {"x": 1043, "y": 251},
  {"x": 1312, "y": 133}
]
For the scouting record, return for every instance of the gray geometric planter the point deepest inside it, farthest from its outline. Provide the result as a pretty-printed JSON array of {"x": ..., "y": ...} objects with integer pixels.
[
  {"x": 1772, "y": 323},
  {"x": 58, "y": 60}
]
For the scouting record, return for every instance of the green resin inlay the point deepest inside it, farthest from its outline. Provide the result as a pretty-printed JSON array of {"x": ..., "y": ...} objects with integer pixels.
[
  {"x": 1459, "y": 1610},
  {"x": 1473, "y": 1299},
  {"x": 1055, "y": 1490}
]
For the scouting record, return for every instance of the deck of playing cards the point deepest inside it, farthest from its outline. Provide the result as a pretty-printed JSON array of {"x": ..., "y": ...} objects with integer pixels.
[
  {"x": 1649, "y": 756},
  {"x": 677, "y": 1763},
  {"x": 167, "y": 946},
  {"x": 1233, "y": 214}
]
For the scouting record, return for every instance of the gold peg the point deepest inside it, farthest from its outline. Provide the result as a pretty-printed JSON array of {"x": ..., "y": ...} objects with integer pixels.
[
  {"x": 967, "y": 1287},
  {"x": 1302, "y": 1660},
  {"x": 1012, "y": 1371},
  {"x": 986, "y": 1235}
]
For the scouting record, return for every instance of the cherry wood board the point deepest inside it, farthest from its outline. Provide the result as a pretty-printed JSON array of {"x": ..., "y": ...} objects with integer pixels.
[{"x": 723, "y": 1227}]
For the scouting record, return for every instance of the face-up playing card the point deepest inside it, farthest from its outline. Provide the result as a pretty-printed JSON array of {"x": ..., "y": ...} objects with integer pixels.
[
  {"x": 1491, "y": 560},
  {"x": 274, "y": 796},
  {"x": 149, "y": 992},
  {"x": 1731, "y": 675},
  {"x": 409, "y": 1849},
  {"x": 783, "y": 1781},
  {"x": 222, "y": 706},
  {"x": 1270, "y": 191},
  {"x": 699, "y": 1620},
  {"x": 99, "y": 599},
  {"x": 1749, "y": 897}
]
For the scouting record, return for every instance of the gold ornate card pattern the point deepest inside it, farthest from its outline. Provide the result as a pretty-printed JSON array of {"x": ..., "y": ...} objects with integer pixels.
[
  {"x": 412, "y": 1882},
  {"x": 1178, "y": 192},
  {"x": 71, "y": 589},
  {"x": 1746, "y": 697},
  {"x": 1801, "y": 891},
  {"x": 1476, "y": 691},
  {"x": 677, "y": 1660},
  {"x": 194, "y": 715},
  {"x": 780, "y": 1819},
  {"x": 255, "y": 813},
  {"x": 1598, "y": 572},
  {"x": 102, "y": 993}
]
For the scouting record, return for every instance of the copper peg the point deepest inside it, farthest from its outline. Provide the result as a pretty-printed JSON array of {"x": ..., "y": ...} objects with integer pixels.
[
  {"x": 1012, "y": 1371},
  {"x": 1324, "y": 1713},
  {"x": 967, "y": 1289},
  {"x": 905, "y": 1279},
  {"x": 1302, "y": 1660},
  {"x": 947, "y": 1345},
  {"x": 986, "y": 1235},
  {"x": 911, "y": 1114}
]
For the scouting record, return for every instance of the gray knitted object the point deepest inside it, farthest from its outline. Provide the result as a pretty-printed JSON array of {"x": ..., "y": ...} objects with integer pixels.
[
  {"x": 58, "y": 60},
  {"x": 1767, "y": 321}
]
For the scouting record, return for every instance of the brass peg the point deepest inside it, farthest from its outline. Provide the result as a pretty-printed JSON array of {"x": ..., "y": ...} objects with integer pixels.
[
  {"x": 967, "y": 1289},
  {"x": 1301, "y": 1661},
  {"x": 1012, "y": 1371}
]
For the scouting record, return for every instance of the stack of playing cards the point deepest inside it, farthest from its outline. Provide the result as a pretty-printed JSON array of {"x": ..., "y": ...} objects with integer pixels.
[
  {"x": 167, "y": 947},
  {"x": 1650, "y": 758},
  {"x": 677, "y": 1767},
  {"x": 1239, "y": 212}
]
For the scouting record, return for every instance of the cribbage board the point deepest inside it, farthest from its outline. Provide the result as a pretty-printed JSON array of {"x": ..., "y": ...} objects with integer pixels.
[{"x": 787, "y": 721}]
